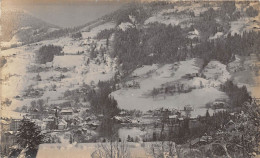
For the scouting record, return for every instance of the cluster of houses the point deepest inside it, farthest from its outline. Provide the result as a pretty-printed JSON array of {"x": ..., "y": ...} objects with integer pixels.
[
  {"x": 68, "y": 119},
  {"x": 57, "y": 120}
]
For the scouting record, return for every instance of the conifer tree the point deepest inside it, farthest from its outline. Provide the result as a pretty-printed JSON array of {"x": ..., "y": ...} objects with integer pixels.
[{"x": 29, "y": 137}]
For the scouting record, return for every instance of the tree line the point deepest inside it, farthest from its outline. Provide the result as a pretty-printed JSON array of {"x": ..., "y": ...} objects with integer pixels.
[
  {"x": 157, "y": 43},
  {"x": 225, "y": 49}
]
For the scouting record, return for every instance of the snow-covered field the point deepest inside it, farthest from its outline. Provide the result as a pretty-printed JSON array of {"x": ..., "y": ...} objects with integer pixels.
[
  {"x": 155, "y": 76},
  {"x": 14, "y": 77},
  {"x": 245, "y": 24}
]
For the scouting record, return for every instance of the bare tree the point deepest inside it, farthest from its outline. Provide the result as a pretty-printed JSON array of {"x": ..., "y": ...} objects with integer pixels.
[
  {"x": 112, "y": 150},
  {"x": 163, "y": 149}
]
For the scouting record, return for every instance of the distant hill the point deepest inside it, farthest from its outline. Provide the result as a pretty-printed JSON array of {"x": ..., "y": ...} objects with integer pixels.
[{"x": 20, "y": 26}]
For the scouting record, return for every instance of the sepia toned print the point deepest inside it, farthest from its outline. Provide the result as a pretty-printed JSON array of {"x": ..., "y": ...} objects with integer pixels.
[{"x": 129, "y": 79}]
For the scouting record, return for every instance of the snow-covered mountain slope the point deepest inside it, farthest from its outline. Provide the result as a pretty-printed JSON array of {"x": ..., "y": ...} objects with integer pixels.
[
  {"x": 21, "y": 69},
  {"x": 88, "y": 60},
  {"x": 19, "y": 27}
]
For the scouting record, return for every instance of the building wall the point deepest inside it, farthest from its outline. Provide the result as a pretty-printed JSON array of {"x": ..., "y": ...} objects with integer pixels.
[{"x": 15, "y": 125}]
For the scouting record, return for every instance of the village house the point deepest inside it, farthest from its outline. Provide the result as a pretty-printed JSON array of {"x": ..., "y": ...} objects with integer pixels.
[
  {"x": 35, "y": 114},
  {"x": 51, "y": 123},
  {"x": 62, "y": 124},
  {"x": 15, "y": 124},
  {"x": 66, "y": 114},
  {"x": 93, "y": 125},
  {"x": 173, "y": 119}
]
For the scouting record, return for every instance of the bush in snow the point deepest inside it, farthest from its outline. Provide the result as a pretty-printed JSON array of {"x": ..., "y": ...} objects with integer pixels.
[{"x": 77, "y": 35}]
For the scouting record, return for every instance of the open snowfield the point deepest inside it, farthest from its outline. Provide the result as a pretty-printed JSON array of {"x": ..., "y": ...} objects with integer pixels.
[
  {"x": 130, "y": 99},
  {"x": 68, "y": 61},
  {"x": 245, "y": 24}
]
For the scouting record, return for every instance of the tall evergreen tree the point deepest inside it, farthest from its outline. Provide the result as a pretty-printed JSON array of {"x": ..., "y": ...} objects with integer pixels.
[{"x": 29, "y": 137}]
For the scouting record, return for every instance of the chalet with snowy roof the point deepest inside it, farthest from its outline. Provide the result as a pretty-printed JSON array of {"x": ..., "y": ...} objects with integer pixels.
[
  {"x": 93, "y": 124},
  {"x": 148, "y": 115},
  {"x": 66, "y": 113},
  {"x": 62, "y": 124},
  {"x": 34, "y": 113},
  {"x": 51, "y": 123},
  {"x": 173, "y": 119}
]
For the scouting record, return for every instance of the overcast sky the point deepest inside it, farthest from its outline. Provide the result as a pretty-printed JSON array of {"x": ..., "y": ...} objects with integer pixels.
[{"x": 67, "y": 14}]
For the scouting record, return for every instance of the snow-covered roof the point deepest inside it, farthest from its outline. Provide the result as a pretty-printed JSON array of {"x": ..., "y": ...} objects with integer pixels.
[
  {"x": 68, "y": 61},
  {"x": 193, "y": 34},
  {"x": 118, "y": 117},
  {"x": 48, "y": 119},
  {"x": 62, "y": 122},
  {"x": 66, "y": 110},
  {"x": 9, "y": 132},
  {"x": 94, "y": 123},
  {"x": 193, "y": 142},
  {"x": 173, "y": 116},
  {"x": 230, "y": 122},
  {"x": 180, "y": 119}
]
